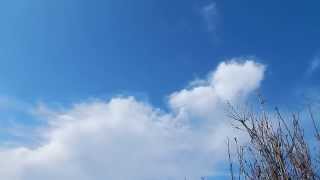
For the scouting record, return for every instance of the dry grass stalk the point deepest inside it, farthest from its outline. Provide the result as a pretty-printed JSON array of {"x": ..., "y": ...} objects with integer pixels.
[{"x": 277, "y": 149}]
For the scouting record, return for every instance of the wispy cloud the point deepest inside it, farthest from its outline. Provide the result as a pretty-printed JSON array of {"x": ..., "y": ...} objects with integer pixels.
[
  {"x": 314, "y": 65},
  {"x": 210, "y": 14}
]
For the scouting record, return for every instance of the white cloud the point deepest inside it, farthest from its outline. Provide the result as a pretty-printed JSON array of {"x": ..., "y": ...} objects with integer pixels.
[
  {"x": 125, "y": 139},
  {"x": 231, "y": 81}
]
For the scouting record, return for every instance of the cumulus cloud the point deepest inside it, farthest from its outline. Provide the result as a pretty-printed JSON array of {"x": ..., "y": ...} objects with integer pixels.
[
  {"x": 231, "y": 81},
  {"x": 126, "y": 139}
]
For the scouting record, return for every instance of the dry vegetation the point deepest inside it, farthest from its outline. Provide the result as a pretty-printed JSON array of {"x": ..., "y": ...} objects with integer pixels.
[{"x": 277, "y": 147}]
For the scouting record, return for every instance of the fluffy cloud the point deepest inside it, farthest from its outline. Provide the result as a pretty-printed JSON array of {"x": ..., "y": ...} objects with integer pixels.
[
  {"x": 125, "y": 139},
  {"x": 231, "y": 81}
]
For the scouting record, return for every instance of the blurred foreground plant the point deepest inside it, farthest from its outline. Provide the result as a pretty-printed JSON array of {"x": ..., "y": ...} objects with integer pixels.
[{"x": 277, "y": 147}]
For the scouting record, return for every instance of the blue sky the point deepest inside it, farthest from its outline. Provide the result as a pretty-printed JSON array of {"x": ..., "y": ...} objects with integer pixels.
[{"x": 60, "y": 53}]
